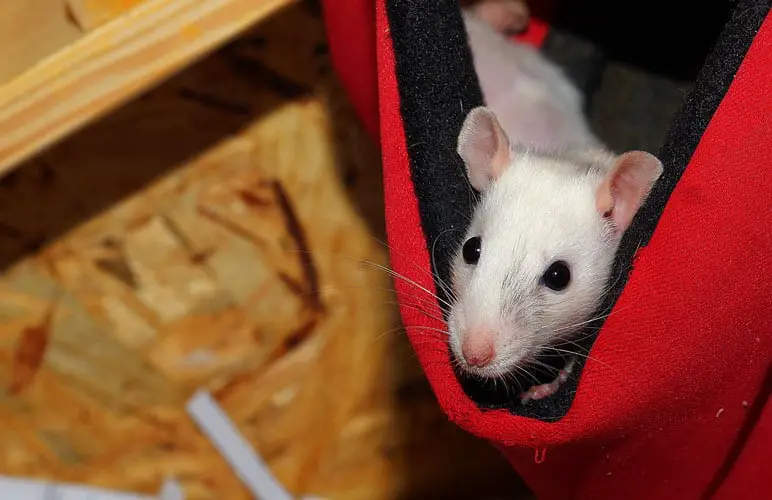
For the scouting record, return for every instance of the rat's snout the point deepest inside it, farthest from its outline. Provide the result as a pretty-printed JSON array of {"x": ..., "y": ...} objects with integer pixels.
[{"x": 477, "y": 348}]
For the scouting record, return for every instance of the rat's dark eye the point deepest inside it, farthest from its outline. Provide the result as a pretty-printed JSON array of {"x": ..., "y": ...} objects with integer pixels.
[
  {"x": 558, "y": 276},
  {"x": 471, "y": 250}
]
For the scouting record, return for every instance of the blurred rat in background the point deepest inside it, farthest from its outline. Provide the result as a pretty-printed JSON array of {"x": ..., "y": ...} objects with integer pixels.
[{"x": 504, "y": 16}]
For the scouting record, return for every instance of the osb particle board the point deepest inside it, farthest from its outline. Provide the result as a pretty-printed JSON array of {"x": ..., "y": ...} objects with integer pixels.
[{"x": 223, "y": 231}]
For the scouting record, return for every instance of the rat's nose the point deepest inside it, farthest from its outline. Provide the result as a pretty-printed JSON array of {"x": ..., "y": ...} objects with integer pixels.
[{"x": 477, "y": 348}]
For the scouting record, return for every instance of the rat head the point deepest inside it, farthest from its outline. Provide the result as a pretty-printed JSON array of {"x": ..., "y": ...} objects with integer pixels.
[{"x": 537, "y": 256}]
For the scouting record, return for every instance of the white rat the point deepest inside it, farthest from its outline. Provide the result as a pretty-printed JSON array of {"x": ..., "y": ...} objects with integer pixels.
[
  {"x": 532, "y": 97},
  {"x": 555, "y": 203}
]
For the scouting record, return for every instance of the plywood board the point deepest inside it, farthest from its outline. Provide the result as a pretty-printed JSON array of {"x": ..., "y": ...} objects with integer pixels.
[
  {"x": 32, "y": 30},
  {"x": 223, "y": 231},
  {"x": 110, "y": 65},
  {"x": 90, "y": 14}
]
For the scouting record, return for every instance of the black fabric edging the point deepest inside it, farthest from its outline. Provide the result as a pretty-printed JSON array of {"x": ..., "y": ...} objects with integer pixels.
[{"x": 438, "y": 87}]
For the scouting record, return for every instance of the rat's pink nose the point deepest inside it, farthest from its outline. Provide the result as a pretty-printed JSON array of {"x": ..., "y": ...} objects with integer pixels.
[{"x": 478, "y": 348}]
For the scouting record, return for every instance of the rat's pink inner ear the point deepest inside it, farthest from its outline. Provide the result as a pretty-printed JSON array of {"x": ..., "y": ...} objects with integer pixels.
[
  {"x": 626, "y": 186},
  {"x": 484, "y": 147}
]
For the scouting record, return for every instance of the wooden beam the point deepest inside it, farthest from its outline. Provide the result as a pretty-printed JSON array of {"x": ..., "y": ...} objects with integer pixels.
[
  {"x": 90, "y": 14},
  {"x": 112, "y": 64},
  {"x": 32, "y": 30}
]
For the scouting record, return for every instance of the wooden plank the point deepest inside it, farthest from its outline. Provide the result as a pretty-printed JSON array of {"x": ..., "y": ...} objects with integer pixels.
[
  {"x": 30, "y": 31},
  {"x": 111, "y": 65},
  {"x": 90, "y": 14}
]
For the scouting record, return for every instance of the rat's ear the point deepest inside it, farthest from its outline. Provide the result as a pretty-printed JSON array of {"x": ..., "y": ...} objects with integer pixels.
[
  {"x": 626, "y": 186},
  {"x": 484, "y": 147}
]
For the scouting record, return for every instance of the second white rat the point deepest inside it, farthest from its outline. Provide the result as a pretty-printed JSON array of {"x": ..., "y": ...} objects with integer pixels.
[
  {"x": 537, "y": 256},
  {"x": 535, "y": 102}
]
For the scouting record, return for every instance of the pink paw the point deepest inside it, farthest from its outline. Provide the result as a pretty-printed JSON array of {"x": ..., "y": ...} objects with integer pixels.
[
  {"x": 545, "y": 390},
  {"x": 505, "y": 16}
]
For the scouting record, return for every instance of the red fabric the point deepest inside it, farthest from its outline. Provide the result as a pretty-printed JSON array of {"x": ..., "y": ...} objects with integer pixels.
[
  {"x": 661, "y": 401},
  {"x": 352, "y": 45},
  {"x": 350, "y": 26},
  {"x": 535, "y": 33},
  {"x": 751, "y": 471}
]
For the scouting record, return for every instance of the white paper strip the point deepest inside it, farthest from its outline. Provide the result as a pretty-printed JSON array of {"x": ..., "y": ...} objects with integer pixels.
[
  {"x": 30, "y": 489},
  {"x": 171, "y": 490},
  {"x": 215, "y": 425},
  {"x": 247, "y": 465}
]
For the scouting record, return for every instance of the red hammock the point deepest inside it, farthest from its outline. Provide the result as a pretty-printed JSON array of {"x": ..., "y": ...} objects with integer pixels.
[{"x": 672, "y": 404}]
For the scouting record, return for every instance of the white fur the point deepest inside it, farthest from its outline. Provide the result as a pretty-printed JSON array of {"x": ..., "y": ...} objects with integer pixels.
[
  {"x": 540, "y": 210},
  {"x": 534, "y": 101}
]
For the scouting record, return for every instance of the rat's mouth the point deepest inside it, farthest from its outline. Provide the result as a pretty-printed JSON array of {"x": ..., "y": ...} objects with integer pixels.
[{"x": 535, "y": 378}]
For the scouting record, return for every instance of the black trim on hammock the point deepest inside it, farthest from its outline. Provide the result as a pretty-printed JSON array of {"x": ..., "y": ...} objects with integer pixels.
[{"x": 438, "y": 86}]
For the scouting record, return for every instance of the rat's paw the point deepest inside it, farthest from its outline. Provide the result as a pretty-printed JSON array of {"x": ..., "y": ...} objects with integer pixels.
[
  {"x": 546, "y": 390},
  {"x": 540, "y": 391},
  {"x": 505, "y": 16}
]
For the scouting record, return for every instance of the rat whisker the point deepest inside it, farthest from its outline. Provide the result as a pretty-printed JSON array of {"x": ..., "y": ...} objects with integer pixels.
[
  {"x": 401, "y": 296},
  {"x": 410, "y": 282},
  {"x": 431, "y": 272},
  {"x": 430, "y": 304},
  {"x": 544, "y": 365},
  {"x": 427, "y": 328},
  {"x": 576, "y": 326},
  {"x": 522, "y": 370},
  {"x": 388, "y": 332},
  {"x": 566, "y": 351},
  {"x": 575, "y": 343},
  {"x": 416, "y": 307},
  {"x": 390, "y": 291},
  {"x": 391, "y": 272},
  {"x": 445, "y": 287},
  {"x": 614, "y": 283},
  {"x": 429, "y": 348}
]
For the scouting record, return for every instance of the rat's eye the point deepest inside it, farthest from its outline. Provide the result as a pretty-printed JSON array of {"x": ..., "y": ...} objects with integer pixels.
[
  {"x": 558, "y": 276},
  {"x": 471, "y": 250}
]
